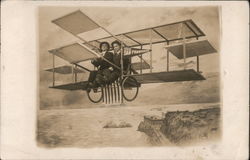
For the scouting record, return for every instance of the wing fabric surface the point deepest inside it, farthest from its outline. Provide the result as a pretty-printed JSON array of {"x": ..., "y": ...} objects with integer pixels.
[
  {"x": 79, "y": 23},
  {"x": 192, "y": 49},
  {"x": 65, "y": 70},
  {"x": 160, "y": 34},
  {"x": 72, "y": 86},
  {"x": 74, "y": 53},
  {"x": 173, "y": 76},
  {"x": 76, "y": 23}
]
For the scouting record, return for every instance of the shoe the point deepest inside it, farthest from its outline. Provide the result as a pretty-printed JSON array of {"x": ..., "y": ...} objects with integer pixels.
[
  {"x": 90, "y": 85},
  {"x": 88, "y": 90},
  {"x": 95, "y": 90}
]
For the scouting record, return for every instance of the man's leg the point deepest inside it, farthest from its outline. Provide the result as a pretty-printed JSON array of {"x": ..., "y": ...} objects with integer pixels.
[
  {"x": 106, "y": 75},
  {"x": 91, "y": 79},
  {"x": 92, "y": 76},
  {"x": 114, "y": 76},
  {"x": 99, "y": 80}
]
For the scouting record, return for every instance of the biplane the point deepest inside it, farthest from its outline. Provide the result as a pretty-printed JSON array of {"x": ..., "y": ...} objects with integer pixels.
[{"x": 182, "y": 41}]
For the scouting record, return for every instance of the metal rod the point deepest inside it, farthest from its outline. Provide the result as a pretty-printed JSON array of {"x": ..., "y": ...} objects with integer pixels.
[
  {"x": 118, "y": 91},
  {"x": 198, "y": 64},
  {"x": 184, "y": 45},
  {"x": 167, "y": 60},
  {"x": 114, "y": 90},
  {"x": 75, "y": 73},
  {"x": 111, "y": 88},
  {"x": 121, "y": 61},
  {"x": 184, "y": 53},
  {"x": 73, "y": 76},
  {"x": 108, "y": 94},
  {"x": 102, "y": 94},
  {"x": 82, "y": 67},
  {"x": 141, "y": 62},
  {"x": 105, "y": 89},
  {"x": 53, "y": 76},
  {"x": 160, "y": 35},
  {"x": 151, "y": 31}
]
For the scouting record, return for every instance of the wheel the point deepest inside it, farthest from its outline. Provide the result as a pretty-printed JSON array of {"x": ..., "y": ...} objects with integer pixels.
[
  {"x": 130, "y": 88},
  {"x": 95, "y": 96}
]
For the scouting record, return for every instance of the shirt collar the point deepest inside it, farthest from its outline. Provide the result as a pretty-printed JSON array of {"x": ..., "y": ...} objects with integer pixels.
[
  {"x": 118, "y": 52},
  {"x": 103, "y": 53}
]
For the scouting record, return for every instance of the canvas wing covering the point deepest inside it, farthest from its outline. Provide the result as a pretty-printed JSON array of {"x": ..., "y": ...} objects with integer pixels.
[
  {"x": 76, "y": 23},
  {"x": 66, "y": 69},
  {"x": 173, "y": 76},
  {"x": 192, "y": 49},
  {"x": 74, "y": 53}
]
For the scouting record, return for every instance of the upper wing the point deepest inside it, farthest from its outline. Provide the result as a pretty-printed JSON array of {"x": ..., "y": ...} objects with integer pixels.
[
  {"x": 158, "y": 34},
  {"x": 76, "y": 23},
  {"x": 79, "y": 24}
]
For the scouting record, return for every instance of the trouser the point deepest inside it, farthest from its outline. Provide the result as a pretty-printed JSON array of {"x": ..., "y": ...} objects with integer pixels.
[
  {"x": 114, "y": 76},
  {"x": 92, "y": 76},
  {"x": 103, "y": 77}
]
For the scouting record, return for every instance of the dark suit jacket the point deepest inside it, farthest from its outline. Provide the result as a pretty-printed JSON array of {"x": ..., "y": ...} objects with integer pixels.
[
  {"x": 117, "y": 61},
  {"x": 102, "y": 64}
]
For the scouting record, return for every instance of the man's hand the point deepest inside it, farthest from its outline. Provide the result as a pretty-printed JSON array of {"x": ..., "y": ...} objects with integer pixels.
[
  {"x": 93, "y": 60},
  {"x": 111, "y": 68},
  {"x": 95, "y": 49},
  {"x": 102, "y": 58}
]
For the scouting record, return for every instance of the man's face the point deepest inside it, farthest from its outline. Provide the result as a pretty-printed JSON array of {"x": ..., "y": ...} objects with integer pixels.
[
  {"x": 116, "y": 47},
  {"x": 104, "y": 47}
]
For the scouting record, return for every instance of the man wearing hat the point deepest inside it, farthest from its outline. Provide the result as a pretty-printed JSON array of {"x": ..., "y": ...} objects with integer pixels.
[
  {"x": 116, "y": 73},
  {"x": 102, "y": 75}
]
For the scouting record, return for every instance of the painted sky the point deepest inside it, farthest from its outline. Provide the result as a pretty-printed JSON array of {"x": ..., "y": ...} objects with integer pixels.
[{"x": 119, "y": 20}]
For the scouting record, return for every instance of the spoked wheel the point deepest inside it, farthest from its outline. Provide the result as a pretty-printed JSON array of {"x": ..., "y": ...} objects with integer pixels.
[
  {"x": 95, "y": 96},
  {"x": 130, "y": 88}
]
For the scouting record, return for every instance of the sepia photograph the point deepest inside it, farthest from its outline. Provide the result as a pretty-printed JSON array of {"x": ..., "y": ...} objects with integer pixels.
[
  {"x": 117, "y": 77},
  {"x": 124, "y": 80}
]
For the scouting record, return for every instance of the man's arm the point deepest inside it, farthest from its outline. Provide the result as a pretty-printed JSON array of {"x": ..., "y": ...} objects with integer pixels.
[
  {"x": 96, "y": 62},
  {"x": 108, "y": 56}
]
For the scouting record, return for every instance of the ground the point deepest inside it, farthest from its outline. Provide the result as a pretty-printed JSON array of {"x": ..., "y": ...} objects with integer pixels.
[{"x": 86, "y": 127}]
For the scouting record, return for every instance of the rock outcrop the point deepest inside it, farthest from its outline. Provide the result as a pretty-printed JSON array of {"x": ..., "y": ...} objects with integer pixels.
[{"x": 181, "y": 127}]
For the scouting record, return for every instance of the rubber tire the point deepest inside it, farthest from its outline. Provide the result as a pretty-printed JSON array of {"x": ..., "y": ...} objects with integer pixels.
[
  {"x": 137, "y": 88},
  {"x": 94, "y": 100}
]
